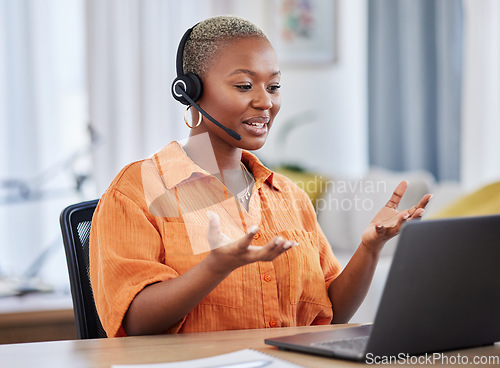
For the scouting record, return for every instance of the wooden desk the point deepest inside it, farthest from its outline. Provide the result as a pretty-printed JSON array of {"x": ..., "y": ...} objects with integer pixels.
[
  {"x": 102, "y": 353},
  {"x": 36, "y": 317}
]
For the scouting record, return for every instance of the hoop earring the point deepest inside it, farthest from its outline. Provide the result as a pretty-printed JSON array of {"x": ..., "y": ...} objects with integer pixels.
[{"x": 200, "y": 117}]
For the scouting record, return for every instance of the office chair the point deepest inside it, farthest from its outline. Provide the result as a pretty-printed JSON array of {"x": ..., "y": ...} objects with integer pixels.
[{"x": 75, "y": 226}]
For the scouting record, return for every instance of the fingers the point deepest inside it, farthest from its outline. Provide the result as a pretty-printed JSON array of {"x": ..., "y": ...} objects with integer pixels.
[
  {"x": 214, "y": 231},
  {"x": 397, "y": 222},
  {"x": 215, "y": 236},
  {"x": 280, "y": 245},
  {"x": 242, "y": 247},
  {"x": 276, "y": 247},
  {"x": 389, "y": 227},
  {"x": 272, "y": 249},
  {"x": 245, "y": 241},
  {"x": 424, "y": 201},
  {"x": 419, "y": 209},
  {"x": 397, "y": 195},
  {"x": 265, "y": 253},
  {"x": 415, "y": 211}
]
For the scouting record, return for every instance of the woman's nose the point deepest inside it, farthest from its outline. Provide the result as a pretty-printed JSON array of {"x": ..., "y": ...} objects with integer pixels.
[{"x": 262, "y": 99}]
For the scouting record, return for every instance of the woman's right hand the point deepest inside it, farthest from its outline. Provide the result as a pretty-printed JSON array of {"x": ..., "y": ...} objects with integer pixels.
[{"x": 227, "y": 255}]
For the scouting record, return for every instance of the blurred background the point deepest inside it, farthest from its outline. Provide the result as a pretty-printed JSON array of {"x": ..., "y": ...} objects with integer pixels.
[{"x": 371, "y": 90}]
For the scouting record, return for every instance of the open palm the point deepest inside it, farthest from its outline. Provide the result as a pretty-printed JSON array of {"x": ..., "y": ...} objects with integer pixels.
[
  {"x": 388, "y": 221},
  {"x": 229, "y": 254}
]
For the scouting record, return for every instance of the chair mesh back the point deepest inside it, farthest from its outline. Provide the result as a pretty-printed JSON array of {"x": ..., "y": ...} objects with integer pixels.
[
  {"x": 83, "y": 229},
  {"x": 76, "y": 221}
]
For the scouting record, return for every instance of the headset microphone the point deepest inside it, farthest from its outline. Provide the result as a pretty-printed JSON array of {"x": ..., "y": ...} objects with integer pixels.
[
  {"x": 179, "y": 90},
  {"x": 187, "y": 87}
]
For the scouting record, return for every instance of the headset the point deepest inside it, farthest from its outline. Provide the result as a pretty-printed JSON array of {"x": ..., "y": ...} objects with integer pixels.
[{"x": 187, "y": 87}]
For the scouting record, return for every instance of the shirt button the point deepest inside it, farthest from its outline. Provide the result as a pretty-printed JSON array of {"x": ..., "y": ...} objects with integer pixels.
[
  {"x": 256, "y": 236},
  {"x": 267, "y": 278},
  {"x": 272, "y": 323}
]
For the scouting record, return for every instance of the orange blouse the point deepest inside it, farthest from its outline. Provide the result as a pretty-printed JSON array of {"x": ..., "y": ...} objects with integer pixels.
[{"x": 151, "y": 225}]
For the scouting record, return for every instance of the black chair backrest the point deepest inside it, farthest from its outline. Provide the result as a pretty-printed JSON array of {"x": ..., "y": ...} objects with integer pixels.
[{"x": 75, "y": 225}]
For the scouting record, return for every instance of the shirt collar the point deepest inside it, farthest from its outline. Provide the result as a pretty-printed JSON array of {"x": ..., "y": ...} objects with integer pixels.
[
  {"x": 173, "y": 160},
  {"x": 260, "y": 172}
]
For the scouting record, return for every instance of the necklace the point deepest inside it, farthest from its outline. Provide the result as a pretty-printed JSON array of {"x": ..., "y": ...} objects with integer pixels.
[{"x": 242, "y": 198}]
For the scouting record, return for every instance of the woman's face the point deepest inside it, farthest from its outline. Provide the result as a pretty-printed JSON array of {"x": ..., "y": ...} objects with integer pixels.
[{"x": 241, "y": 91}]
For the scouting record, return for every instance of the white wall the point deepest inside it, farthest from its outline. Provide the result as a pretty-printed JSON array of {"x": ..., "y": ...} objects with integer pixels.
[{"x": 480, "y": 150}]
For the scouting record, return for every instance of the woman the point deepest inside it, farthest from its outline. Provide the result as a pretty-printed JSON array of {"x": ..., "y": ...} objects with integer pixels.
[{"x": 204, "y": 237}]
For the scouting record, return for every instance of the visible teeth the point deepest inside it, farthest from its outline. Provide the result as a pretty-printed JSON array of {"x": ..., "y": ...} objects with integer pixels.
[{"x": 258, "y": 125}]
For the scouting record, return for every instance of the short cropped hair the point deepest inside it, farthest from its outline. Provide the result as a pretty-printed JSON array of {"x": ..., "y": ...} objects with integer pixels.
[{"x": 211, "y": 35}]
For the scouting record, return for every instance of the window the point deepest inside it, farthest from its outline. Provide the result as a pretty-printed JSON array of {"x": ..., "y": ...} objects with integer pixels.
[{"x": 44, "y": 142}]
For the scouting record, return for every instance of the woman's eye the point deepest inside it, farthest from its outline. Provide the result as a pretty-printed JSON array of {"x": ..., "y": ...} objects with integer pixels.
[
  {"x": 274, "y": 87},
  {"x": 244, "y": 87}
]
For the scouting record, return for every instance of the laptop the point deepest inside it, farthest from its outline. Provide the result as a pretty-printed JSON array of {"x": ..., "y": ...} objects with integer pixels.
[{"x": 442, "y": 293}]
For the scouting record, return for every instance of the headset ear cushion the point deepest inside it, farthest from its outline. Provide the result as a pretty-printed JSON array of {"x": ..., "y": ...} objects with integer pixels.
[
  {"x": 190, "y": 83},
  {"x": 197, "y": 86}
]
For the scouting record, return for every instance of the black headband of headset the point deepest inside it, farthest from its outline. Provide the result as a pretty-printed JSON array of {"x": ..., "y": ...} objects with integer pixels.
[
  {"x": 180, "y": 51},
  {"x": 186, "y": 88}
]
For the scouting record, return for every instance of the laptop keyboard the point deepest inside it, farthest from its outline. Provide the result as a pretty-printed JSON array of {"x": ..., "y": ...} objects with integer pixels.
[{"x": 351, "y": 347}]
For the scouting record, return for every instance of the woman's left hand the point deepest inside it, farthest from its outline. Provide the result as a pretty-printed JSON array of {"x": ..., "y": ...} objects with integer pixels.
[{"x": 388, "y": 221}]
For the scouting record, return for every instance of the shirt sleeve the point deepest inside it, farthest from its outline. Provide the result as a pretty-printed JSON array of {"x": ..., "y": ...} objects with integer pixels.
[{"x": 126, "y": 254}]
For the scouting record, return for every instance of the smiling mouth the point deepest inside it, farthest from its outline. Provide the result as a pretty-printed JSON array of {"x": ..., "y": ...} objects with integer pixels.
[
  {"x": 257, "y": 125},
  {"x": 258, "y": 121}
]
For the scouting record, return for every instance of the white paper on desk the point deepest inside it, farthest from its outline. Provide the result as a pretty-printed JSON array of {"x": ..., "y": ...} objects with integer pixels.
[{"x": 240, "y": 356}]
